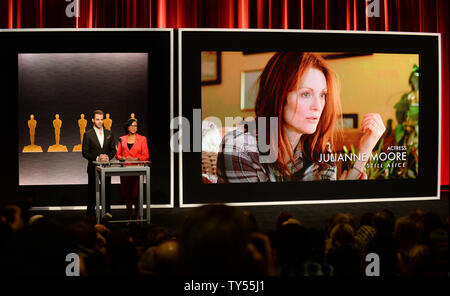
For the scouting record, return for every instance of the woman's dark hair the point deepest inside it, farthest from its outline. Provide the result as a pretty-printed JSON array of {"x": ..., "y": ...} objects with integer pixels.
[{"x": 128, "y": 123}]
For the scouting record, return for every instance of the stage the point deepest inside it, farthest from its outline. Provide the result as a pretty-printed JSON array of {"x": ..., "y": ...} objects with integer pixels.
[{"x": 312, "y": 216}]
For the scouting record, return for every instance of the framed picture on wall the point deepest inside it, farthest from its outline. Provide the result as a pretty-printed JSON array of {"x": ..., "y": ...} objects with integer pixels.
[
  {"x": 350, "y": 120},
  {"x": 211, "y": 67},
  {"x": 249, "y": 89}
]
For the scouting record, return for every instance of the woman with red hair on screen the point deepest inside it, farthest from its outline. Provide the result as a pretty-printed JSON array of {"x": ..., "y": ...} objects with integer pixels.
[
  {"x": 300, "y": 90},
  {"x": 131, "y": 147}
]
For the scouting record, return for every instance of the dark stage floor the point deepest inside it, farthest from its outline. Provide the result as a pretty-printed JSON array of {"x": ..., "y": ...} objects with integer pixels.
[{"x": 312, "y": 216}]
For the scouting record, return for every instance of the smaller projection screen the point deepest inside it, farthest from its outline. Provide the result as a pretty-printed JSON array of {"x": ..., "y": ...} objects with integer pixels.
[
  {"x": 54, "y": 79},
  {"x": 71, "y": 86}
]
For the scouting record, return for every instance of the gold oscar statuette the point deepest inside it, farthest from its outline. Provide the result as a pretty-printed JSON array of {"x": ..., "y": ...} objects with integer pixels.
[
  {"x": 132, "y": 117},
  {"x": 32, "y": 127},
  {"x": 57, "y": 123},
  {"x": 107, "y": 123},
  {"x": 82, "y": 122}
]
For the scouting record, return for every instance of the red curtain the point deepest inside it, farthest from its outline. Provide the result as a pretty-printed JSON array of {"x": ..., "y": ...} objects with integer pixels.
[{"x": 395, "y": 15}]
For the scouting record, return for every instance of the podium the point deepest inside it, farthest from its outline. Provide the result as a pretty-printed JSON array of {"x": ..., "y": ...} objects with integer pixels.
[{"x": 122, "y": 168}]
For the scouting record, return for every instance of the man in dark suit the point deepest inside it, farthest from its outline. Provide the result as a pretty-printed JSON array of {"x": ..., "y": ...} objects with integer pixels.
[{"x": 98, "y": 145}]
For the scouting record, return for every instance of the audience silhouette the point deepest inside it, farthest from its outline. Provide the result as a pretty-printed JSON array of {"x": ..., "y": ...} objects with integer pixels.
[{"x": 217, "y": 239}]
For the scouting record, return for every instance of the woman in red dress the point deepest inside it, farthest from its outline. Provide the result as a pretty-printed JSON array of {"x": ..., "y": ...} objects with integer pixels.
[{"x": 131, "y": 147}]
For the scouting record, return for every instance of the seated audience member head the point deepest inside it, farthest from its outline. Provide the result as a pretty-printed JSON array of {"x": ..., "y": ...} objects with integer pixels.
[
  {"x": 366, "y": 232},
  {"x": 406, "y": 234},
  {"x": 34, "y": 218},
  {"x": 251, "y": 222},
  {"x": 282, "y": 217},
  {"x": 340, "y": 218},
  {"x": 90, "y": 246},
  {"x": 391, "y": 218},
  {"x": 431, "y": 222},
  {"x": 382, "y": 224},
  {"x": 293, "y": 245},
  {"x": 15, "y": 216},
  {"x": 122, "y": 253},
  {"x": 166, "y": 257},
  {"x": 84, "y": 235},
  {"x": 416, "y": 215},
  {"x": 366, "y": 219},
  {"x": 160, "y": 260},
  {"x": 46, "y": 248},
  {"x": 344, "y": 254},
  {"x": 415, "y": 261},
  {"x": 155, "y": 235},
  {"x": 213, "y": 240},
  {"x": 16, "y": 223},
  {"x": 342, "y": 235},
  {"x": 147, "y": 265}
]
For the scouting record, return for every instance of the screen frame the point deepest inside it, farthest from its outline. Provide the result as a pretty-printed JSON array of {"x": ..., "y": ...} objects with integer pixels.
[
  {"x": 90, "y": 41},
  {"x": 193, "y": 41}
]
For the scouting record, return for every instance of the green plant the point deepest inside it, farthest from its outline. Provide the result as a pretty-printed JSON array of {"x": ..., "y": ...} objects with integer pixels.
[{"x": 406, "y": 132}]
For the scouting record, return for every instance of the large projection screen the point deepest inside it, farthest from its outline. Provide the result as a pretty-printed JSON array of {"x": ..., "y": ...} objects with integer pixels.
[{"x": 374, "y": 73}]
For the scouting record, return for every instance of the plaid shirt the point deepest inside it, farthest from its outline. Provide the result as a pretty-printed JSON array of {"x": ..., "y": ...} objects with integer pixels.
[{"x": 238, "y": 162}]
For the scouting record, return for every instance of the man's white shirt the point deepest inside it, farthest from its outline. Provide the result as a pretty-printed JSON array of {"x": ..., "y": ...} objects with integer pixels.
[{"x": 101, "y": 137}]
